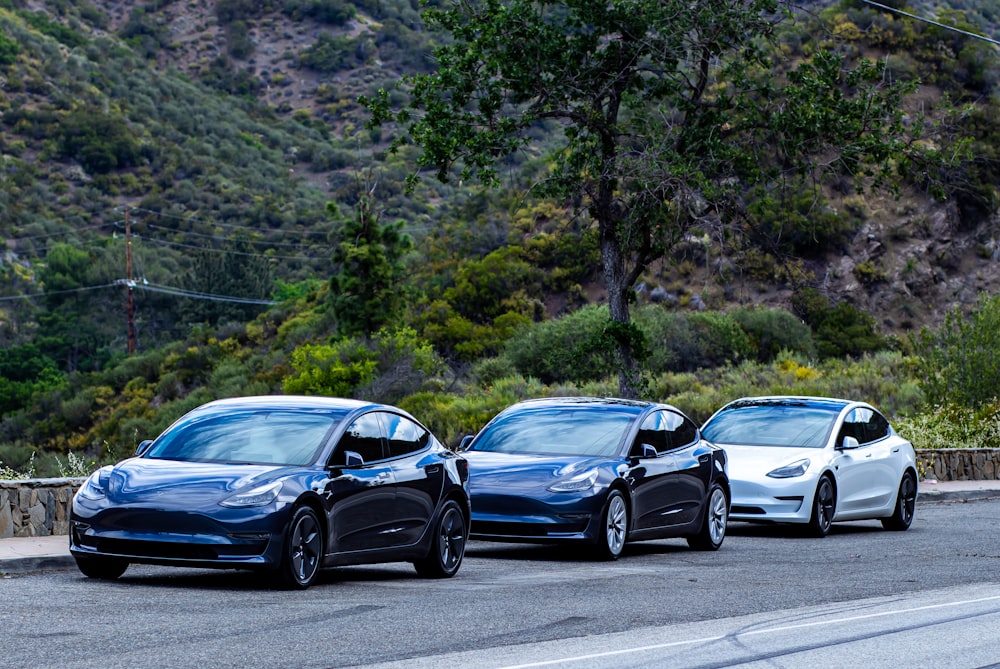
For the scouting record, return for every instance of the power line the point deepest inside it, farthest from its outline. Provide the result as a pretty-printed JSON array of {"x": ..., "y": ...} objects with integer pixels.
[
  {"x": 933, "y": 23},
  {"x": 197, "y": 295}
]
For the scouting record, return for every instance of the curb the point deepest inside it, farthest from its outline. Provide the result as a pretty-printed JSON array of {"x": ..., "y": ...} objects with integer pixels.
[{"x": 38, "y": 563}]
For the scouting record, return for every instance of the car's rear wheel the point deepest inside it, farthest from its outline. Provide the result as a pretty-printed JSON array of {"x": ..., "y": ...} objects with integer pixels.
[
  {"x": 303, "y": 551},
  {"x": 614, "y": 527},
  {"x": 824, "y": 507},
  {"x": 103, "y": 568},
  {"x": 906, "y": 502},
  {"x": 447, "y": 546},
  {"x": 713, "y": 528}
]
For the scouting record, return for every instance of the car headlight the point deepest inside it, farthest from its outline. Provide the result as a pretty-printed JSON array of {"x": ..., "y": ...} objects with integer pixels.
[
  {"x": 797, "y": 468},
  {"x": 259, "y": 496},
  {"x": 95, "y": 487},
  {"x": 578, "y": 483}
]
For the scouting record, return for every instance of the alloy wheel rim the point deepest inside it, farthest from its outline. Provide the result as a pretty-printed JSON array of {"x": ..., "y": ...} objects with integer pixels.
[
  {"x": 717, "y": 517},
  {"x": 907, "y": 499},
  {"x": 616, "y": 525},
  {"x": 825, "y": 504},
  {"x": 452, "y": 539},
  {"x": 305, "y": 549}
]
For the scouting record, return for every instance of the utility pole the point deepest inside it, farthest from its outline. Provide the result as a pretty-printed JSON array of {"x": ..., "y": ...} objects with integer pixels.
[{"x": 129, "y": 284}]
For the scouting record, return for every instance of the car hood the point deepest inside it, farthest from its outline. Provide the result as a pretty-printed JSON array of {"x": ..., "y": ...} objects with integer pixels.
[
  {"x": 141, "y": 480},
  {"x": 753, "y": 461},
  {"x": 511, "y": 472}
]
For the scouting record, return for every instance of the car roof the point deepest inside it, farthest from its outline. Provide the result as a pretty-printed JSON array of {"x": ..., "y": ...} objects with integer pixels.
[
  {"x": 577, "y": 402},
  {"x": 290, "y": 402},
  {"x": 832, "y": 403}
]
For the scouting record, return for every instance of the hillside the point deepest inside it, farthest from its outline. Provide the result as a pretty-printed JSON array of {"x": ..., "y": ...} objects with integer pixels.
[{"x": 225, "y": 138}]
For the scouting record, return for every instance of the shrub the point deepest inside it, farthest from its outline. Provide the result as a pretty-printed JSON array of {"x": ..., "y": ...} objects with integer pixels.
[
  {"x": 960, "y": 363},
  {"x": 773, "y": 331},
  {"x": 572, "y": 348}
]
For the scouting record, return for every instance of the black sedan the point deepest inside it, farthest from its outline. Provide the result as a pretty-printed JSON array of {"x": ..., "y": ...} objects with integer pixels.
[
  {"x": 284, "y": 485},
  {"x": 596, "y": 470}
]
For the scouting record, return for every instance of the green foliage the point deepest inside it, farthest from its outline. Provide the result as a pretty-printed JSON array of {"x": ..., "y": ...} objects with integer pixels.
[
  {"x": 772, "y": 331},
  {"x": 392, "y": 365},
  {"x": 680, "y": 341},
  {"x": 102, "y": 142},
  {"x": 332, "y": 12},
  {"x": 24, "y": 371},
  {"x": 239, "y": 280},
  {"x": 331, "y": 54},
  {"x": 43, "y": 24},
  {"x": 8, "y": 50},
  {"x": 840, "y": 329},
  {"x": 366, "y": 287},
  {"x": 573, "y": 348},
  {"x": 953, "y": 426},
  {"x": 960, "y": 363},
  {"x": 886, "y": 379}
]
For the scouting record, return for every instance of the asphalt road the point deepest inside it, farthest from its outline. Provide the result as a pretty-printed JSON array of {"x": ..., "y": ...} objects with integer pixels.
[{"x": 933, "y": 591}]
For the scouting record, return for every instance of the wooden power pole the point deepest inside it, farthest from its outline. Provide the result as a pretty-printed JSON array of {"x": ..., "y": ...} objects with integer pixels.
[{"x": 129, "y": 284}]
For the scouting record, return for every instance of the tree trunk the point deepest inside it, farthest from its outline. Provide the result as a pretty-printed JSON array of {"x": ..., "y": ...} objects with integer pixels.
[{"x": 616, "y": 282}]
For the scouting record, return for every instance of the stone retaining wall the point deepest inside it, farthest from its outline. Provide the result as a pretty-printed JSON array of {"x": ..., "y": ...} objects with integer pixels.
[
  {"x": 959, "y": 464},
  {"x": 40, "y": 507},
  {"x": 36, "y": 507}
]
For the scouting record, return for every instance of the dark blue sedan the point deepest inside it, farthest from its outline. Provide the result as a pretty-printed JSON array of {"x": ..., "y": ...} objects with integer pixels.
[
  {"x": 596, "y": 470},
  {"x": 284, "y": 485}
]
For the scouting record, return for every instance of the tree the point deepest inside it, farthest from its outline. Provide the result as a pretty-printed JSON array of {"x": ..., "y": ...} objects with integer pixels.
[
  {"x": 673, "y": 115},
  {"x": 366, "y": 289},
  {"x": 234, "y": 284}
]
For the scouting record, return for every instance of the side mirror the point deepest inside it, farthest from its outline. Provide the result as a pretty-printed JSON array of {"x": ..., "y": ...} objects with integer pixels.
[
  {"x": 353, "y": 459},
  {"x": 849, "y": 443},
  {"x": 648, "y": 451},
  {"x": 142, "y": 447},
  {"x": 466, "y": 441}
]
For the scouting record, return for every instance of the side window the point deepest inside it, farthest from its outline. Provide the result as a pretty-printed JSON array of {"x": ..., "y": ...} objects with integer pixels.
[
  {"x": 682, "y": 431},
  {"x": 363, "y": 437},
  {"x": 865, "y": 425},
  {"x": 403, "y": 435},
  {"x": 652, "y": 432}
]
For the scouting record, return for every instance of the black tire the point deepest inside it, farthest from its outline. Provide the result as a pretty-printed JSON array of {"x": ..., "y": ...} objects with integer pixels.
[
  {"x": 713, "y": 528},
  {"x": 614, "y": 527},
  {"x": 302, "y": 554},
  {"x": 906, "y": 503},
  {"x": 447, "y": 545},
  {"x": 823, "y": 509},
  {"x": 102, "y": 568}
]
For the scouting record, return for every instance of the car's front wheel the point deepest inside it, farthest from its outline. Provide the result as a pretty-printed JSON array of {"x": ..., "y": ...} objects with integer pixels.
[
  {"x": 614, "y": 527},
  {"x": 906, "y": 502},
  {"x": 103, "y": 568},
  {"x": 303, "y": 551},
  {"x": 447, "y": 546},
  {"x": 824, "y": 506},
  {"x": 713, "y": 528}
]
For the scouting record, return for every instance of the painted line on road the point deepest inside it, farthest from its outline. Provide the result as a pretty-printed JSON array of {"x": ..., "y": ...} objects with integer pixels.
[{"x": 769, "y": 630}]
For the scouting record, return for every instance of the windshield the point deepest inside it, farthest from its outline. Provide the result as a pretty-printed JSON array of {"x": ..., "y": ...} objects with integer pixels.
[
  {"x": 253, "y": 436},
  {"x": 795, "y": 424},
  {"x": 590, "y": 431}
]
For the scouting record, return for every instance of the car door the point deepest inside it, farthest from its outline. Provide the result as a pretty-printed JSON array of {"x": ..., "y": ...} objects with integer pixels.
[
  {"x": 418, "y": 474},
  {"x": 866, "y": 475},
  {"x": 360, "y": 493},
  {"x": 657, "y": 494}
]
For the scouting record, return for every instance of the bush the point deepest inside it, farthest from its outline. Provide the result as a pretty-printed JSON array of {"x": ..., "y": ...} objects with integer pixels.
[
  {"x": 572, "y": 348},
  {"x": 960, "y": 363},
  {"x": 773, "y": 331},
  {"x": 684, "y": 342}
]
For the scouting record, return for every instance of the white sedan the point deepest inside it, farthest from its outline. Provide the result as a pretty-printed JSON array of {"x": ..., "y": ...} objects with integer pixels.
[{"x": 814, "y": 461}]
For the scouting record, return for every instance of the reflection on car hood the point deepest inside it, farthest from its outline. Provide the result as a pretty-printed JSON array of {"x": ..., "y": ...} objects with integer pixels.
[
  {"x": 752, "y": 461},
  {"x": 511, "y": 471},
  {"x": 141, "y": 479}
]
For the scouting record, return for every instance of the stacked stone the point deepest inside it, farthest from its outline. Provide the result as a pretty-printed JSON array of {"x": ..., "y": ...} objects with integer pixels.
[
  {"x": 36, "y": 507},
  {"x": 959, "y": 464}
]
